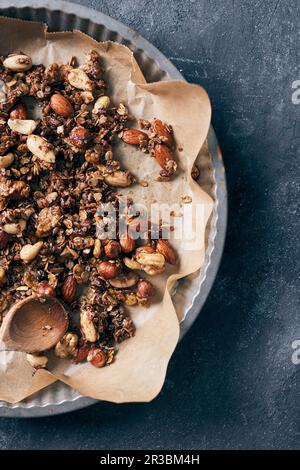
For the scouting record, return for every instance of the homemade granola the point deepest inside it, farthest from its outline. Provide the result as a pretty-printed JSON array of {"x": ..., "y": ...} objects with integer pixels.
[{"x": 54, "y": 174}]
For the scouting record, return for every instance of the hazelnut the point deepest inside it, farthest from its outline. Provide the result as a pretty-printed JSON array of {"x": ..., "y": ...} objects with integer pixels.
[
  {"x": 79, "y": 137},
  {"x": 112, "y": 249},
  {"x": 18, "y": 112},
  {"x": 97, "y": 357},
  {"x": 45, "y": 290},
  {"x": 108, "y": 270},
  {"x": 144, "y": 289},
  {"x": 127, "y": 244}
]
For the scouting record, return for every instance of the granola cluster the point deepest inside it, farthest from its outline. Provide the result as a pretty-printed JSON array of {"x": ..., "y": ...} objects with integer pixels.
[{"x": 55, "y": 172}]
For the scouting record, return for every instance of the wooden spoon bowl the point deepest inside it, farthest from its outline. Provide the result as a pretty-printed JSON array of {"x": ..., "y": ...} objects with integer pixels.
[{"x": 34, "y": 324}]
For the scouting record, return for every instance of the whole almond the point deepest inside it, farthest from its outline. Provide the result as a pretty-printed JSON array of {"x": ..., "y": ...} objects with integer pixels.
[
  {"x": 127, "y": 244},
  {"x": 18, "y": 112},
  {"x": 3, "y": 239},
  {"x": 108, "y": 270},
  {"x": 22, "y": 126},
  {"x": 97, "y": 357},
  {"x": 162, "y": 131},
  {"x": 79, "y": 79},
  {"x": 79, "y": 137},
  {"x": 18, "y": 62},
  {"x": 69, "y": 289},
  {"x": 134, "y": 136},
  {"x": 41, "y": 148},
  {"x": 165, "y": 157},
  {"x": 164, "y": 247},
  {"x": 61, "y": 105},
  {"x": 7, "y": 160}
]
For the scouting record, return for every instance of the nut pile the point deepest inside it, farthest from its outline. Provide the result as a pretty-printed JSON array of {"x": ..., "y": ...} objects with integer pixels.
[{"x": 54, "y": 173}]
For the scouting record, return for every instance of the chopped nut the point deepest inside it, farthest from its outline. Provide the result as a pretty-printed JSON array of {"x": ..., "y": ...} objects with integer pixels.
[
  {"x": 18, "y": 62},
  {"x": 102, "y": 103},
  {"x": 29, "y": 252},
  {"x": 120, "y": 178},
  {"x": 185, "y": 199},
  {"x": 97, "y": 248},
  {"x": 79, "y": 79},
  {"x": 88, "y": 329},
  {"x": 38, "y": 362},
  {"x": 15, "y": 228},
  {"x": 41, "y": 148},
  {"x": 47, "y": 220},
  {"x": 97, "y": 357},
  {"x": 125, "y": 281},
  {"x": 67, "y": 346},
  {"x": 22, "y": 126},
  {"x": 7, "y": 160}
]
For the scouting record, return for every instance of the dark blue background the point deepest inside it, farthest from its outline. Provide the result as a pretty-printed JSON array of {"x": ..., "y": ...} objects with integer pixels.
[{"x": 231, "y": 382}]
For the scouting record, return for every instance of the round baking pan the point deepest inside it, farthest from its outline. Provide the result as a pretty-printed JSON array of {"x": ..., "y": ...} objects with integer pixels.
[{"x": 64, "y": 16}]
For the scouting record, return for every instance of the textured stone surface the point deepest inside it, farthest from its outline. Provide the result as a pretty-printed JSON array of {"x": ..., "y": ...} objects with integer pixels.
[{"x": 231, "y": 382}]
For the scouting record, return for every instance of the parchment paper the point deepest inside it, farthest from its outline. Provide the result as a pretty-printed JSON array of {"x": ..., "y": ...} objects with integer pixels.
[{"x": 139, "y": 370}]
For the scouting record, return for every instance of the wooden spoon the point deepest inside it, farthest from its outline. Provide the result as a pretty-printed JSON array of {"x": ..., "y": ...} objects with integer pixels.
[{"x": 33, "y": 325}]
